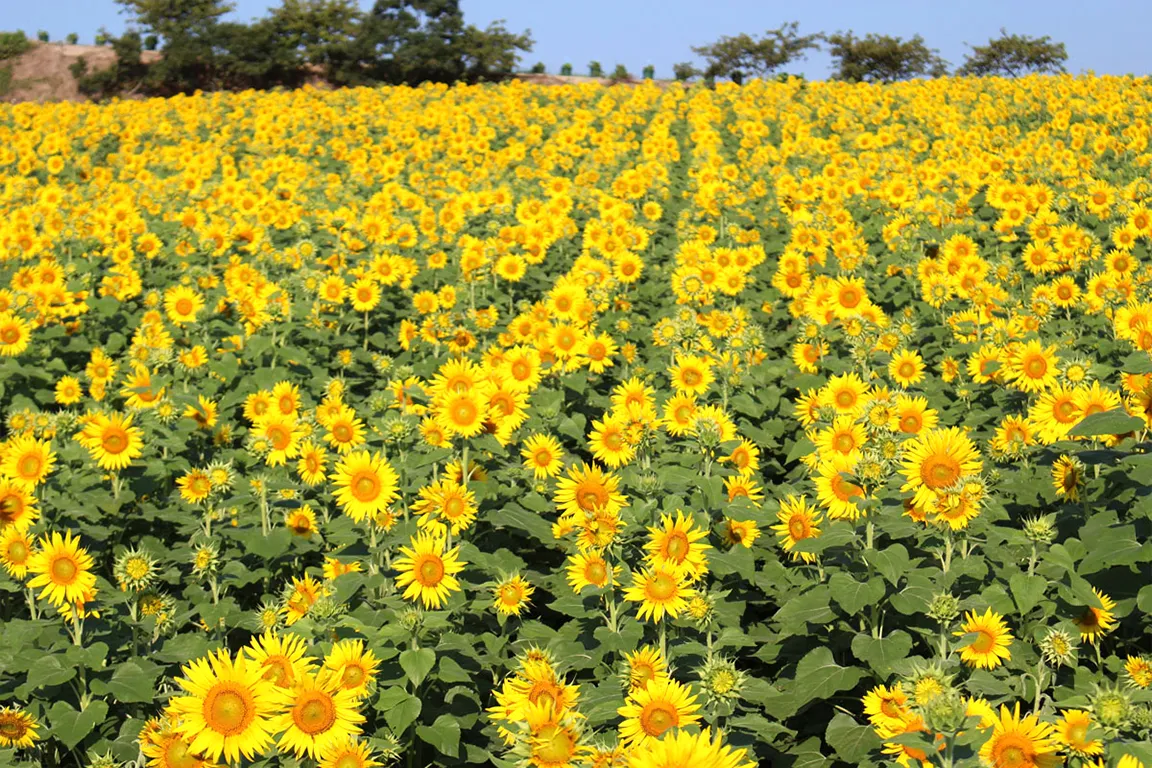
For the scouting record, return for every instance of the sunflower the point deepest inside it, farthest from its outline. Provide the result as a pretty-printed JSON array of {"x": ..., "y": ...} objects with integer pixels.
[
  {"x": 302, "y": 595},
  {"x": 543, "y": 455},
  {"x": 63, "y": 568},
  {"x": 1032, "y": 367},
  {"x": 691, "y": 374},
  {"x": 659, "y": 591},
  {"x": 1068, "y": 477},
  {"x": 1020, "y": 742},
  {"x": 743, "y": 486},
  {"x": 112, "y": 440},
  {"x": 15, "y": 551},
  {"x": 588, "y": 569},
  {"x": 445, "y": 504},
  {"x": 166, "y": 747},
  {"x": 17, "y": 506},
  {"x": 938, "y": 460},
  {"x": 688, "y": 750},
  {"x": 845, "y": 393},
  {"x": 182, "y": 304},
  {"x": 1055, "y": 413},
  {"x": 798, "y": 522},
  {"x": 741, "y": 532},
  {"x": 229, "y": 707},
  {"x": 844, "y": 437},
  {"x": 835, "y": 491},
  {"x": 365, "y": 484},
  {"x": 913, "y": 415},
  {"x": 27, "y": 461},
  {"x": 313, "y": 460},
  {"x": 644, "y": 665},
  {"x": 1138, "y": 670},
  {"x": 301, "y": 521},
  {"x": 195, "y": 485},
  {"x": 1072, "y": 732},
  {"x": 906, "y": 368},
  {"x": 365, "y": 294},
  {"x": 679, "y": 414},
  {"x": 512, "y": 595},
  {"x": 319, "y": 714},
  {"x": 352, "y": 665},
  {"x": 609, "y": 443},
  {"x": 282, "y": 434},
  {"x": 989, "y": 649},
  {"x": 68, "y": 390},
  {"x": 660, "y": 705},
  {"x": 462, "y": 413},
  {"x": 1094, "y": 622},
  {"x": 348, "y": 754},
  {"x": 427, "y": 571},
  {"x": 15, "y": 333},
  {"x": 17, "y": 728},
  {"x": 280, "y": 658},
  {"x": 887, "y": 707},
  {"x": 588, "y": 490},
  {"x": 345, "y": 431}
]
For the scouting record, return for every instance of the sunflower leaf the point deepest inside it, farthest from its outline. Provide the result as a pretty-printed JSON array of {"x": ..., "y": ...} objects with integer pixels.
[{"x": 417, "y": 663}]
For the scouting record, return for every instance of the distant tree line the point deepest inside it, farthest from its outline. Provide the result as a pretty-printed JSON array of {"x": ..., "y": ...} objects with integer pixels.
[
  {"x": 395, "y": 42},
  {"x": 872, "y": 58}
]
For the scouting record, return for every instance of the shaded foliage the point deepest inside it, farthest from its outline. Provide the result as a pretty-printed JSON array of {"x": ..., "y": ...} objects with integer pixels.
[
  {"x": 744, "y": 56},
  {"x": 882, "y": 58},
  {"x": 1014, "y": 55}
]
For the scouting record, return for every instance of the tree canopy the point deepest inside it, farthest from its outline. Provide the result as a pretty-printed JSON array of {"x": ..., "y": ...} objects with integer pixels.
[
  {"x": 1014, "y": 55},
  {"x": 882, "y": 58},
  {"x": 742, "y": 55}
]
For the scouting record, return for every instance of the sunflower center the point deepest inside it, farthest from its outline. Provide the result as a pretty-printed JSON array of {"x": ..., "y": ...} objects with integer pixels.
[
  {"x": 595, "y": 572},
  {"x": 10, "y": 335},
  {"x": 907, "y": 370},
  {"x": 910, "y": 422},
  {"x": 1035, "y": 367},
  {"x": 984, "y": 641},
  {"x": 677, "y": 547},
  {"x": 115, "y": 441},
  {"x": 64, "y": 570},
  {"x": 30, "y": 465},
  {"x": 176, "y": 755},
  {"x": 353, "y": 676},
  {"x": 940, "y": 471},
  {"x": 592, "y": 499},
  {"x": 12, "y": 728},
  {"x": 228, "y": 710},
  {"x": 365, "y": 486},
  {"x": 1077, "y": 733},
  {"x": 543, "y": 457},
  {"x": 431, "y": 571},
  {"x": 845, "y": 399},
  {"x": 658, "y": 717},
  {"x": 280, "y": 437},
  {"x": 510, "y": 594},
  {"x": 844, "y": 443},
  {"x": 613, "y": 440},
  {"x": 184, "y": 306},
  {"x": 798, "y": 528},
  {"x": 1012, "y": 752},
  {"x": 17, "y": 552},
  {"x": 314, "y": 712},
  {"x": 890, "y": 708},
  {"x": 464, "y": 412},
  {"x": 661, "y": 587},
  {"x": 691, "y": 377}
]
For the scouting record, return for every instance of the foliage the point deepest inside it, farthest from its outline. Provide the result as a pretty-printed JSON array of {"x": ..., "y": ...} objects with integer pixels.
[
  {"x": 538, "y": 68},
  {"x": 620, "y": 73},
  {"x": 595, "y": 69},
  {"x": 1014, "y": 55},
  {"x": 565, "y": 402},
  {"x": 12, "y": 44},
  {"x": 684, "y": 71},
  {"x": 566, "y": 70},
  {"x": 649, "y": 72},
  {"x": 72, "y": 38},
  {"x": 882, "y": 58},
  {"x": 745, "y": 56}
]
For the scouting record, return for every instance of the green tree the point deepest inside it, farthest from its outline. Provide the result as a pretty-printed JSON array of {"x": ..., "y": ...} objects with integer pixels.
[
  {"x": 746, "y": 56},
  {"x": 187, "y": 29},
  {"x": 492, "y": 53},
  {"x": 315, "y": 33},
  {"x": 882, "y": 58},
  {"x": 684, "y": 71},
  {"x": 408, "y": 41},
  {"x": 1014, "y": 55}
]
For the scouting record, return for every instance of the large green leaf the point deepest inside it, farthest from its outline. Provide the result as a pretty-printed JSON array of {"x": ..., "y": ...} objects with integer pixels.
[{"x": 444, "y": 735}]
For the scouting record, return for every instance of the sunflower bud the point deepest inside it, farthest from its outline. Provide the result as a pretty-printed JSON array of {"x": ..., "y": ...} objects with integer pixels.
[
  {"x": 1040, "y": 530},
  {"x": 944, "y": 608},
  {"x": 1111, "y": 706},
  {"x": 720, "y": 680},
  {"x": 946, "y": 712},
  {"x": 134, "y": 570},
  {"x": 412, "y": 619},
  {"x": 1058, "y": 647},
  {"x": 105, "y": 760}
]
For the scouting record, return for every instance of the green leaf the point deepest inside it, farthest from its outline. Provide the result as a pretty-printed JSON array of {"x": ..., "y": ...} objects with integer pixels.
[
  {"x": 444, "y": 734},
  {"x": 853, "y": 742},
  {"x": 882, "y": 653},
  {"x": 1114, "y": 422},
  {"x": 1137, "y": 362},
  {"x": 71, "y": 726},
  {"x": 417, "y": 663},
  {"x": 811, "y": 606},
  {"x": 1144, "y": 599},
  {"x": 1027, "y": 591},
  {"x": 400, "y": 709},
  {"x": 852, "y": 595},
  {"x": 131, "y": 682},
  {"x": 818, "y": 676},
  {"x": 892, "y": 562},
  {"x": 48, "y": 671}
]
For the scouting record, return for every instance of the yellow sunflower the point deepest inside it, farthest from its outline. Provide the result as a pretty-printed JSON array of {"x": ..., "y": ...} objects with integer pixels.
[
  {"x": 798, "y": 521},
  {"x": 112, "y": 440},
  {"x": 365, "y": 484},
  {"x": 1032, "y": 367},
  {"x": 15, "y": 333},
  {"x": 445, "y": 504},
  {"x": 906, "y": 368},
  {"x": 683, "y": 749},
  {"x": 319, "y": 714},
  {"x": 938, "y": 460},
  {"x": 660, "y": 705},
  {"x": 512, "y": 595},
  {"x": 691, "y": 374},
  {"x": 588, "y": 569},
  {"x": 659, "y": 591},
  {"x": 887, "y": 707},
  {"x": 352, "y": 665},
  {"x": 15, "y": 551},
  {"x": 644, "y": 665},
  {"x": 427, "y": 572},
  {"x": 1094, "y": 622},
  {"x": 348, "y": 754},
  {"x": 63, "y": 568},
  {"x": 182, "y": 304},
  {"x": 17, "y": 728},
  {"x": 588, "y": 490},
  {"x": 17, "y": 506},
  {"x": 462, "y": 413},
  {"x": 280, "y": 658},
  {"x": 27, "y": 461},
  {"x": 1072, "y": 732},
  {"x": 1020, "y": 742},
  {"x": 229, "y": 707},
  {"x": 989, "y": 649},
  {"x": 543, "y": 455},
  {"x": 609, "y": 443},
  {"x": 676, "y": 546}
]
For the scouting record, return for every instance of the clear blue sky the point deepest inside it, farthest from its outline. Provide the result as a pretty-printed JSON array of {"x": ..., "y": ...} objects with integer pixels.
[{"x": 1106, "y": 36}]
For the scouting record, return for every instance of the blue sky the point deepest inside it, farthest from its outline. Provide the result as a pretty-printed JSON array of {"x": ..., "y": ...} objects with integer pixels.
[{"x": 1106, "y": 36}]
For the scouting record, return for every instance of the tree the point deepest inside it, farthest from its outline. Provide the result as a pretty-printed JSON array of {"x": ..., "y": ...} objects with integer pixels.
[
  {"x": 684, "y": 71},
  {"x": 255, "y": 55},
  {"x": 72, "y": 38},
  {"x": 1014, "y": 55},
  {"x": 882, "y": 58},
  {"x": 595, "y": 69},
  {"x": 746, "y": 56},
  {"x": 407, "y": 41},
  {"x": 314, "y": 33},
  {"x": 492, "y": 53},
  {"x": 188, "y": 30},
  {"x": 566, "y": 70}
]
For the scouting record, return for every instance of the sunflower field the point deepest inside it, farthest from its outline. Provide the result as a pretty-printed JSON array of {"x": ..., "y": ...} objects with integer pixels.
[{"x": 791, "y": 424}]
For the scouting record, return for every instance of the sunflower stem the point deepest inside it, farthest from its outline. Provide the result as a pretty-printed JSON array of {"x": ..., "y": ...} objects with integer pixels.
[
  {"x": 32, "y": 603},
  {"x": 663, "y": 639}
]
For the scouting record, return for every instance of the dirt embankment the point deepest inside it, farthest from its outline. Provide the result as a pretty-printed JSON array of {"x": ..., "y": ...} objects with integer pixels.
[{"x": 42, "y": 73}]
